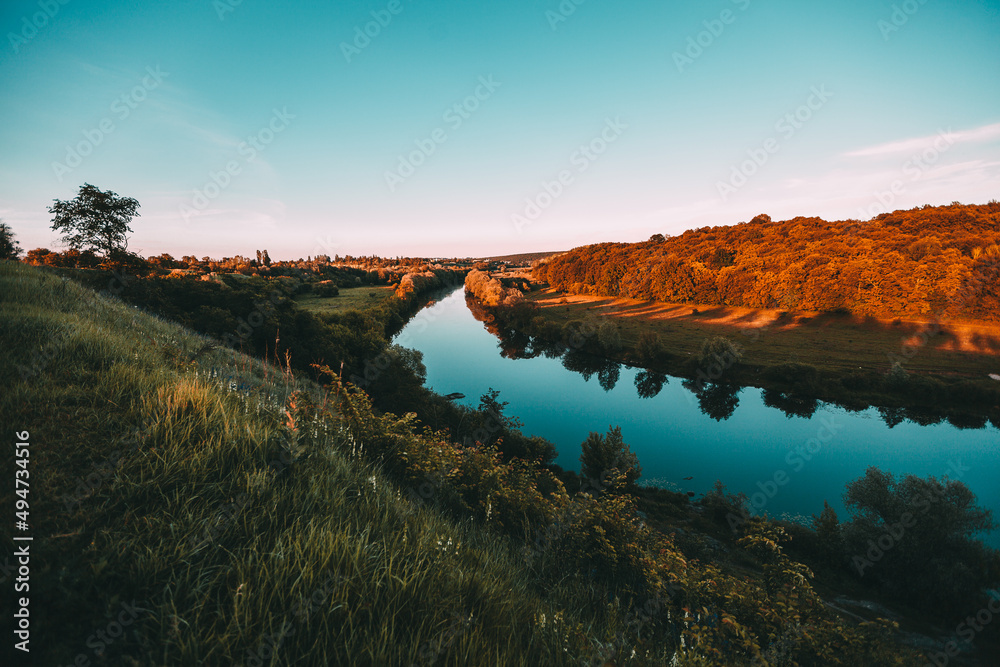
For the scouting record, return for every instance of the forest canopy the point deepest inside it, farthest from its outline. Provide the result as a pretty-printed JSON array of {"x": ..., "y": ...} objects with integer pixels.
[{"x": 932, "y": 262}]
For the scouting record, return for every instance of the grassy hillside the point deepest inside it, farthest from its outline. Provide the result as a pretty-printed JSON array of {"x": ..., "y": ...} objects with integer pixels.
[
  {"x": 164, "y": 476},
  {"x": 191, "y": 505}
]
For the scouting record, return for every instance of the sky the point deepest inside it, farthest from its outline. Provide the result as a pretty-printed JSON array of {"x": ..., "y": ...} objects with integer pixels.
[{"x": 446, "y": 128}]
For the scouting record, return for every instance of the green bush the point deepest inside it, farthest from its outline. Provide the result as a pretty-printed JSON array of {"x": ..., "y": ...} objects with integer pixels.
[
  {"x": 916, "y": 539},
  {"x": 721, "y": 351},
  {"x": 649, "y": 349},
  {"x": 608, "y": 462}
]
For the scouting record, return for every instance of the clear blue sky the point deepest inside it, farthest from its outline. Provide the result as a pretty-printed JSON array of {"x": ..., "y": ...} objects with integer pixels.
[{"x": 151, "y": 99}]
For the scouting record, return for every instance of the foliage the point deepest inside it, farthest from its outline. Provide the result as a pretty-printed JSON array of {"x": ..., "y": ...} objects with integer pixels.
[
  {"x": 940, "y": 260},
  {"x": 829, "y": 533},
  {"x": 9, "y": 247},
  {"x": 721, "y": 352},
  {"x": 649, "y": 349},
  {"x": 248, "y": 510},
  {"x": 916, "y": 538},
  {"x": 491, "y": 291},
  {"x": 608, "y": 336},
  {"x": 94, "y": 220},
  {"x": 608, "y": 461}
]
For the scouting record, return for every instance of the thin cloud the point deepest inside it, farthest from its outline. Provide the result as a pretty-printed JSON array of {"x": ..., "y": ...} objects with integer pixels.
[{"x": 978, "y": 135}]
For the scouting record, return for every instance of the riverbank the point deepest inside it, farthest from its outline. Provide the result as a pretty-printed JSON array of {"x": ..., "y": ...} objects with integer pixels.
[
  {"x": 836, "y": 342},
  {"x": 909, "y": 370}
]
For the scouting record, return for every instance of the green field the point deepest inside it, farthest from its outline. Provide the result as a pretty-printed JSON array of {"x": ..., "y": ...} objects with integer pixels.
[{"x": 350, "y": 298}]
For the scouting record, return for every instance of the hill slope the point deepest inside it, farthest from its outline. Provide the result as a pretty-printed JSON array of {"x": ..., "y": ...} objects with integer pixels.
[
  {"x": 167, "y": 485},
  {"x": 941, "y": 262},
  {"x": 190, "y": 505}
]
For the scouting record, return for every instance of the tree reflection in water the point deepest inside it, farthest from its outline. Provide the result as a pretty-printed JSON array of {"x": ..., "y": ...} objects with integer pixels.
[
  {"x": 649, "y": 383},
  {"x": 718, "y": 400}
]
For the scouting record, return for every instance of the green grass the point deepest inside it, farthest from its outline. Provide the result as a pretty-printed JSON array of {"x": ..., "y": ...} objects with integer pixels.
[
  {"x": 195, "y": 488},
  {"x": 219, "y": 549},
  {"x": 350, "y": 298}
]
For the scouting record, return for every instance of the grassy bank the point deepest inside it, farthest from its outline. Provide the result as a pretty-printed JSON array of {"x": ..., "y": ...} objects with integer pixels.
[
  {"x": 833, "y": 342},
  {"x": 230, "y": 512},
  {"x": 164, "y": 486}
]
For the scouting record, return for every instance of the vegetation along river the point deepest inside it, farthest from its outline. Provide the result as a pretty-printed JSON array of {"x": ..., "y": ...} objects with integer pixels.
[{"x": 785, "y": 465}]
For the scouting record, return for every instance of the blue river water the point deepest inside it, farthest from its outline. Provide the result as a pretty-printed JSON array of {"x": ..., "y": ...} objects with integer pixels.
[{"x": 785, "y": 465}]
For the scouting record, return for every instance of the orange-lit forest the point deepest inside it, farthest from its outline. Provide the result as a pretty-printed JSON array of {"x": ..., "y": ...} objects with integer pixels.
[{"x": 929, "y": 263}]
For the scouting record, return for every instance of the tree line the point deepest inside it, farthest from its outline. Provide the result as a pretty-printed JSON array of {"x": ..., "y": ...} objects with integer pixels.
[{"x": 925, "y": 262}]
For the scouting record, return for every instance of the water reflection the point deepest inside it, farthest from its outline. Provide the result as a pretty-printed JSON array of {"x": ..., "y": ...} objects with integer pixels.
[
  {"x": 649, "y": 383},
  {"x": 791, "y": 403},
  {"x": 717, "y": 400}
]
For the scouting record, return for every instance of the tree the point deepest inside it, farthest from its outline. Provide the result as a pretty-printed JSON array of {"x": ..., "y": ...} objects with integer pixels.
[
  {"x": 9, "y": 248},
  {"x": 95, "y": 220},
  {"x": 608, "y": 336},
  {"x": 606, "y": 458},
  {"x": 916, "y": 538}
]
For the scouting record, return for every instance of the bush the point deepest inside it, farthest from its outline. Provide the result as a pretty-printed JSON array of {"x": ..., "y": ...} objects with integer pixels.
[
  {"x": 326, "y": 289},
  {"x": 608, "y": 336},
  {"x": 608, "y": 461},
  {"x": 649, "y": 349},
  {"x": 720, "y": 350},
  {"x": 915, "y": 539}
]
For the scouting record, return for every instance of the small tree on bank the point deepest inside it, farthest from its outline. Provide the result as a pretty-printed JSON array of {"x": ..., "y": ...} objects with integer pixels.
[
  {"x": 95, "y": 220},
  {"x": 605, "y": 458}
]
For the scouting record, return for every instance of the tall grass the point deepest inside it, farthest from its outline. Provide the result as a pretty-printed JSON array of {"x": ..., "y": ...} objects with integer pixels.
[{"x": 239, "y": 539}]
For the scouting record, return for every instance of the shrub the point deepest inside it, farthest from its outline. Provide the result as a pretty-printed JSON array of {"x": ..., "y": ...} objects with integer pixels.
[
  {"x": 649, "y": 349},
  {"x": 608, "y": 336},
  {"x": 915, "y": 538},
  {"x": 607, "y": 460},
  {"x": 720, "y": 350}
]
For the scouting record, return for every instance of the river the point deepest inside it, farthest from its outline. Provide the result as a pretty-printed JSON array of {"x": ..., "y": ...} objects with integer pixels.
[{"x": 750, "y": 451}]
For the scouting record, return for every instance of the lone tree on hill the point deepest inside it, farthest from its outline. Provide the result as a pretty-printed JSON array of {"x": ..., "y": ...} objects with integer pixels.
[
  {"x": 9, "y": 248},
  {"x": 95, "y": 220}
]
